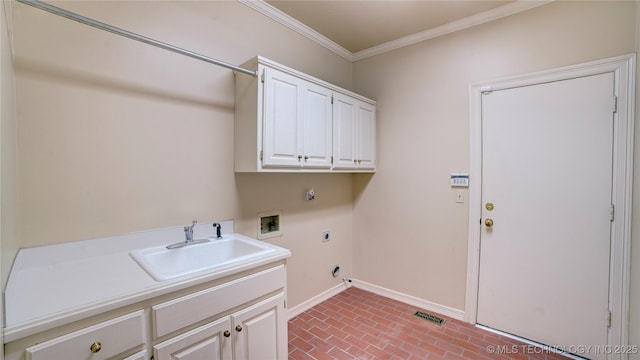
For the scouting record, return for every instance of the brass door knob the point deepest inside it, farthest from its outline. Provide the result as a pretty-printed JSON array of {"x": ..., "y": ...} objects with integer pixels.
[
  {"x": 238, "y": 328},
  {"x": 488, "y": 223},
  {"x": 226, "y": 333},
  {"x": 95, "y": 347}
]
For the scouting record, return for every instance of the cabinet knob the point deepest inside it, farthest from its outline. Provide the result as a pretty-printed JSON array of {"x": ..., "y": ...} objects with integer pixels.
[
  {"x": 306, "y": 158},
  {"x": 238, "y": 328},
  {"x": 359, "y": 161},
  {"x": 95, "y": 347},
  {"x": 226, "y": 333},
  {"x": 299, "y": 157}
]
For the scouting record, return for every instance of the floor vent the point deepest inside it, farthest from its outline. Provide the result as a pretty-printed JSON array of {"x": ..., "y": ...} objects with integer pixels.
[{"x": 431, "y": 318}]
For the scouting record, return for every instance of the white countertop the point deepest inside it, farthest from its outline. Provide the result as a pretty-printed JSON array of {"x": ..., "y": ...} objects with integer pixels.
[{"x": 57, "y": 284}]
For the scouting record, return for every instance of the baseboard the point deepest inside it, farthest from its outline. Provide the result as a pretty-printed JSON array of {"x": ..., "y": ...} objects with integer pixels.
[
  {"x": 308, "y": 304},
  {"x": 411, "y": 300},
  {"x": 382, "y": 291}
]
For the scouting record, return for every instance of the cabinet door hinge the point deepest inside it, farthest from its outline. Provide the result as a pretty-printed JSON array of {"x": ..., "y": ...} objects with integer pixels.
[
  {"x": 261, "y": 153},
  {"x": 262, "y": 77},
  {"x": 615, "y": 104},
  {"x": 612, "y": 212},
  {"x": 332, "y": 160},
  {"x": 608, "y": 319},
  {"x": 331, "y": 99}
]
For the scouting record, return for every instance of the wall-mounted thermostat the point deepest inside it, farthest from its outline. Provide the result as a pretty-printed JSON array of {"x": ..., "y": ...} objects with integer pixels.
[
  {"x": 460, "y": 179},
  {"x": 269, "y": 224}
]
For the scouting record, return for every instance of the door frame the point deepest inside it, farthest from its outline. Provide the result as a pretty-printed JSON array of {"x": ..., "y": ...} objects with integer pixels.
[{"x": 623, "y": 68}]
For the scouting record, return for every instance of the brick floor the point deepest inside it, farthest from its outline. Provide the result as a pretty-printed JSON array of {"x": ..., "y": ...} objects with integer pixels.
[{"x": 357, "y": 324}]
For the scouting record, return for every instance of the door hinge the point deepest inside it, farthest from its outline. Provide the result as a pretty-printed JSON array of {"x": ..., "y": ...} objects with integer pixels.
[
  {"x": 262, "y": 77},
  {"x": 612, "y": 212},
  {"x": 615, "y": 104},
  {"x": 608, "y": 319},
  {"x": 261, "y": 153},
  {"x": 332, "y": 160},
  {"x": 331, "y": 99}
]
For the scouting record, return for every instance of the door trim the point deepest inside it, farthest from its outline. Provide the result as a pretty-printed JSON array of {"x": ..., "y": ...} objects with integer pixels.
[{"x": 623, "y": 68}]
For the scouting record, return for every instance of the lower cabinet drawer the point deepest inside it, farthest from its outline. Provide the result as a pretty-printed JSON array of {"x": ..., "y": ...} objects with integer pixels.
[
  {"x": 184, "y": 311},
  {"x": 100, "y": 341}
]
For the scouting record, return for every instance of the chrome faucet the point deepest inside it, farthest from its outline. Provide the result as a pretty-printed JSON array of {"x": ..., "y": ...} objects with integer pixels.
[
  {"x": 188, "y": 234},
  {"x": 188, "y": 231}
]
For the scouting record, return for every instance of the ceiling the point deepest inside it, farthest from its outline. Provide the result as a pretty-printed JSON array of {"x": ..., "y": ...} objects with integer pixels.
[{"x": 357, "y": 25}]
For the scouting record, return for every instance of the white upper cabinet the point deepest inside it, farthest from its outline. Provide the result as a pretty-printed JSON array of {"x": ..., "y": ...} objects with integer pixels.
[
  {"x": 297, "y": 122},
  {"x": 354, "y": 134},
  {"x": 285, "y": 122}
]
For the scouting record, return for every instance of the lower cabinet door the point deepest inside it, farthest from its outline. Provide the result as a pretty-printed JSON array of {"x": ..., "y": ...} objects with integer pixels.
[
  {"x": 142, "y": 355},
  {"x": 211, "y": 342},
  {"x": 261, "y": 331}
]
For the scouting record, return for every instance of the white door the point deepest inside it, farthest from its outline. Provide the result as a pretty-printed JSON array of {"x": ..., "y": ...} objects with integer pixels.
[
  {"x": 208, "y": 342},
  {"x": 366, "y": 136},
  {"x": 261, "y": 331},
  {"x": 317, "y": 125},
  {"x": 547, "y": 170},
  {"x": 344, "y": 132},
  {"x": 354, "y": 134},
  {"x": 282, "y": 110}
]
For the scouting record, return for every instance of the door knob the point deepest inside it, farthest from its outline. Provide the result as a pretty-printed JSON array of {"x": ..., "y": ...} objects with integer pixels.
[
  {"x": 238, "y": 328},
  {"x": 488, "y": 223}
]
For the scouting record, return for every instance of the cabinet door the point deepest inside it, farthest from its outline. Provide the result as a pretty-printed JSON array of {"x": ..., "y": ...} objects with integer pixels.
[
  {"x": 316, "y": 126},
  {"x": 366, "y": 136},
  {"x": 261, "y": 331},
  {"x": 282, "y": 135},
  {"x": 344, "y": 127},
  {"x": 354, "y": 134},
  {"x": 206, "y": 342}
]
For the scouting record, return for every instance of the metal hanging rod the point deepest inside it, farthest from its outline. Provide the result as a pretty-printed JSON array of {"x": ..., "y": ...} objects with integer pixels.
[{"x": 112, "y": 29}]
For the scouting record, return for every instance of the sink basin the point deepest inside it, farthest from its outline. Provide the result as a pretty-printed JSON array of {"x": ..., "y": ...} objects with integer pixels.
[{"x": 218, "y": 254}]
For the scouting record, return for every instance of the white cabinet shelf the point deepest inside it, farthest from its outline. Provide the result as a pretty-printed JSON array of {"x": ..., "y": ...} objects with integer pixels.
[{"x": 287, "y": 121}]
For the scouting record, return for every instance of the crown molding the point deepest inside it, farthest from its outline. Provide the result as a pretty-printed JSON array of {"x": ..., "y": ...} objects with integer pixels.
[
  {"x": 295, "y": 25},
  {"x": 461, "y": 24}
]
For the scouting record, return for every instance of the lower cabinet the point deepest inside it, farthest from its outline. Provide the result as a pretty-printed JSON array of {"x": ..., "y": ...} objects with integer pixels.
[
  {"x": 257, "y": 332},
  {"x": 211, "y": 342},
  {"x": 261, "y": 330},
  {"x": 101, "y": 341},
  {"x": 244, "y": 319}
]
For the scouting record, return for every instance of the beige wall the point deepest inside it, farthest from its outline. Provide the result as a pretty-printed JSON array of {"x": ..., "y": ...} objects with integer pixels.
[
  {"x": 406, "y": 215},
  {"x": 9, "y": 233},
  {"x": 116, "y": 136},
  {"x": 9, "y": 237}
]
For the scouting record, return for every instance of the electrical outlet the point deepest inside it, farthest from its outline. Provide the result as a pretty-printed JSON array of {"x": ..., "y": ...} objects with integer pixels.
[{"x": 326, "y": 236}]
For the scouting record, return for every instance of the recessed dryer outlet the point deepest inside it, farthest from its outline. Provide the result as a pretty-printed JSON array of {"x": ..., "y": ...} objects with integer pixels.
[{"x": 269, "y": 224}]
